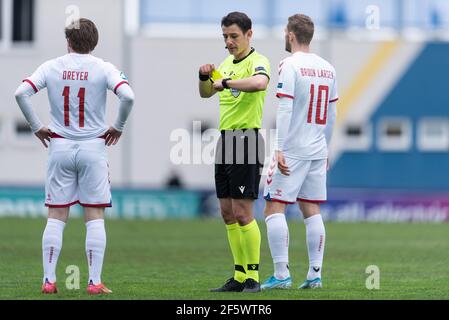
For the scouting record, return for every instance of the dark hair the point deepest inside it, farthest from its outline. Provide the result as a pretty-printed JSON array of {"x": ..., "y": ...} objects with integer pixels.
[
  {"x": 82, "y": 35},
  {"x": 238, "y": 18},
  {"x": 302, "y": 26}
]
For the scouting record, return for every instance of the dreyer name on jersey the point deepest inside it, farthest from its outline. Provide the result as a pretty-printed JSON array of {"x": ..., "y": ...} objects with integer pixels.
[
  {"x": 75, "y": 75},
  {"x": 77, "y": 85}
]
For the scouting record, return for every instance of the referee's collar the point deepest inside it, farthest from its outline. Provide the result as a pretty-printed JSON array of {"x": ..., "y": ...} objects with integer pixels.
[{"x": 237, "y": 61}]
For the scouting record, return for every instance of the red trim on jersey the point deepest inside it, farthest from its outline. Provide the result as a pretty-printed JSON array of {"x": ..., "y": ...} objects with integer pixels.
[
  {"x": 31, "y": 84},
  {"x": 310, "y": 201},
  {"x": 55, "y": 135},
  {"x": 284, "y": 95},
  {"x": 61, "y": 205},
  {"x": 119, "y": 84},
  {"x": 280, "y": 201},
  {"x": 333, "y": 100},
  {"x": 96, "y": 205}
]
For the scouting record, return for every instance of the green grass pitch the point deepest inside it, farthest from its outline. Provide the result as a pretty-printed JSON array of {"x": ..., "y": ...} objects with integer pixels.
[{"x": 178, "y": 259}]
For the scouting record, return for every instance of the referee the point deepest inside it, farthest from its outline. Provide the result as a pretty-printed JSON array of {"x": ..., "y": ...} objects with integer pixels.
[{"x": 240, "y": 150}]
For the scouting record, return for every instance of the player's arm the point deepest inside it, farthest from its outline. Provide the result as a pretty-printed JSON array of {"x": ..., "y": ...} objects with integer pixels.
[
  {"x": 23, "y": 97},
  {"x": 331, "y": 115},
  {"x": 205, "y": 85},
  {"x": 258, "y": 82},
  {"x": 23, "y": 94},
  {"x": 332, "y": 112},
  {"x": 126, "y": 97},
  {"x": 283, "y": 119},
  {"x": 331, "y": 118},
  {"x": 118, "y": 83},
  {"x": 286, "y": 94}
]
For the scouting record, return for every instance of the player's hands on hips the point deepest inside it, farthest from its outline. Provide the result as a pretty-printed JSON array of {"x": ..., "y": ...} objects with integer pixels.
[
  {"x": 43, "y": 135},
  {"x": 282, "y": 164},
  {"x": 112, "y": 136},
  {"x": 206, "y": 69}
]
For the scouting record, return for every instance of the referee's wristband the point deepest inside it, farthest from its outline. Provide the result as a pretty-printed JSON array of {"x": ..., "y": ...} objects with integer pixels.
[
  {"x": 224, "y": 83},
  {"x": 204, "y": 77}
]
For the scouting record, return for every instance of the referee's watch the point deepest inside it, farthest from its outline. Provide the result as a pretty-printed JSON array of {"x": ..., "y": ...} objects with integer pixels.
[{"x": 224, "y": 83}]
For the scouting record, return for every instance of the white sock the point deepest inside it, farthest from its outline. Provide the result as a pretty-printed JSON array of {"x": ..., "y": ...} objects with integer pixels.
[
  {"x": 278, "y": 237},
  {"x": 95, "y": 248},
  {"x": 316, "y": 236},
  {"x": 51, "y": 247}
]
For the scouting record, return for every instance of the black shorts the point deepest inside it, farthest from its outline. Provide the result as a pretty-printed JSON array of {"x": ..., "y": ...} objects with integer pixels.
[{"x": 239, "y": 162}]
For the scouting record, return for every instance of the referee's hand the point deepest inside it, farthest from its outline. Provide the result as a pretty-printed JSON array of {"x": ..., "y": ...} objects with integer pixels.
[
  {"x": 282, "y": 164},
  {"x": 218, "y": 85},
  {"x": 206, "y": 69}
]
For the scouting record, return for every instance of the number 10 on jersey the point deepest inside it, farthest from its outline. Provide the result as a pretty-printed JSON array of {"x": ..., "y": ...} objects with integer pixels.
[
  {"x": 318, "y": 119},
  {"x": 66, "y": 95}
]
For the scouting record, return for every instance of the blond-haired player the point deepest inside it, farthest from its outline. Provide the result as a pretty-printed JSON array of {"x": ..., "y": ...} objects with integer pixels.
[
  {"x": 77, "y": 169},
  {"x": 307, "y": 93}
]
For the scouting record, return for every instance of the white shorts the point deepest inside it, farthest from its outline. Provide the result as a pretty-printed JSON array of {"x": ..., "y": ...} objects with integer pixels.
[
  {"x": 306, "y": 182},
  {"x": 77, "y": 172}
]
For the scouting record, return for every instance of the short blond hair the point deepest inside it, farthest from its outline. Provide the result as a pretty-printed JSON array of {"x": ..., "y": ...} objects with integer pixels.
[{"x": 302, "y": 27}]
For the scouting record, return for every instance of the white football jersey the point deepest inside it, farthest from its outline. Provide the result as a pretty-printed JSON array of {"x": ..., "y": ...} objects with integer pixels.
[
  {"x": 77, "y": 86},
  {"x": 311, "y": 82}
]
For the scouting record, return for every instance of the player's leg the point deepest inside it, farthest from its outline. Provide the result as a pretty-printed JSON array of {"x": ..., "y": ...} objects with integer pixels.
[
  {"x": 60, "y": 193},
  {"x": 281, "y": 190},
  {"x": 278, "y": 241},
  {"x": 94, "y": 195},
  {"x": 95, "y": 248},
  {"x": 52, "y": 245},
  {"x": 315, "y": 238},
  {"x": 310, "y": 196}
]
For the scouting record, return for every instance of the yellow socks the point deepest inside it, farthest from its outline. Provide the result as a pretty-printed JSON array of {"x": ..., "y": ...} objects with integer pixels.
[
  {"x": 250, "y": 244},
  {"x": 237, "y": 253}
]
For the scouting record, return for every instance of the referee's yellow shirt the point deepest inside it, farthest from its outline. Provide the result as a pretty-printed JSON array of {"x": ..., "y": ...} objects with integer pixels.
[{"x": 242, "y": 110}]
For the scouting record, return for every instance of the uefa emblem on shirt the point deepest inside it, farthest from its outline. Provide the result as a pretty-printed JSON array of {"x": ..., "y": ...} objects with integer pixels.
[{"x": 235, "y": 92}]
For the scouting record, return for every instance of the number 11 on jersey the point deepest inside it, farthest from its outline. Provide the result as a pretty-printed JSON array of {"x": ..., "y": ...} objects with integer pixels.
[{"x": 66, "y": 95}]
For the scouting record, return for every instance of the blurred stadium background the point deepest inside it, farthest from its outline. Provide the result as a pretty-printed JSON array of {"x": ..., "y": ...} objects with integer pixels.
[
  {"x": 390, "y": 150},
  {"x": 389, "y": 156}
]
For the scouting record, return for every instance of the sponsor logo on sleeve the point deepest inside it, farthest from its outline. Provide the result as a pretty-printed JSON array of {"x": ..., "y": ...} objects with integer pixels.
[{"x": 123, "y": 76}]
